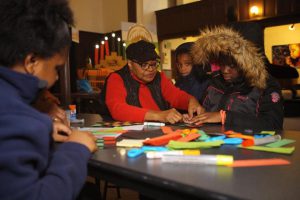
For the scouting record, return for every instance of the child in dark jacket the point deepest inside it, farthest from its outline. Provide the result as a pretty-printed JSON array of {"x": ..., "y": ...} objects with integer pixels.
[
  {"x": 34, "y": 43},
  {"x": 189, "y": 77},
  {"x": 241, "y": 94}
]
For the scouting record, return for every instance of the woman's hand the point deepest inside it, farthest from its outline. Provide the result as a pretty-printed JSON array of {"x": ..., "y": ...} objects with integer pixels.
[
  {"x": 85, "y": 138},
  {"x": 207, "y": 117},
  {"x": 58, "y": 114},
  {"x": 194, "y": 108},
  {"x": 172, "y": 116},
  {"x": 61, "y": 132}
]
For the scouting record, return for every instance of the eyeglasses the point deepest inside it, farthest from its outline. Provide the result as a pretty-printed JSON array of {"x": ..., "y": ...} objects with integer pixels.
[{"x": 147, "y": 65}]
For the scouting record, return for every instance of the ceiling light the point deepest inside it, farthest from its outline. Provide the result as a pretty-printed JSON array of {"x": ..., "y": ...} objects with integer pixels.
[{"x": 254, "y": 10}]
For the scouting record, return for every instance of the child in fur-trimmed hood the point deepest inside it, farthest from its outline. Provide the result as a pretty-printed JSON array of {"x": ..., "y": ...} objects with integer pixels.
[{"x": 250, "y": 97}]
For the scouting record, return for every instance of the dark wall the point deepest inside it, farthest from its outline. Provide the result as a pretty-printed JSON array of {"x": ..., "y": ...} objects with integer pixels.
[
  {"x": 186, "y": 20},
  {"x": 85, "y": 49},
  {"x": 131, "y": 10}
]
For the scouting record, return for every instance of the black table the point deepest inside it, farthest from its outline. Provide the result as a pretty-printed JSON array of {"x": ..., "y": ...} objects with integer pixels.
[{"x": 189, "y": 181}]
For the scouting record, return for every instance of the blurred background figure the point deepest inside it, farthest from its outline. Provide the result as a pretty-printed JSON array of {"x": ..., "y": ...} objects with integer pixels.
[{"x": 294, "y": 58}]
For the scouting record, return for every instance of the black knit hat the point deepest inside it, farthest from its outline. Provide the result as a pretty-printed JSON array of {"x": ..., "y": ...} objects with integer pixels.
[{"x": 141, "y": 51}]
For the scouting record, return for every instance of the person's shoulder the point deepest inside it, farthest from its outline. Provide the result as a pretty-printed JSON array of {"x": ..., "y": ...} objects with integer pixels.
[
  {"x": 26, "y": 119},
  {"x": 272, "y": 90},
  {"x": 114, "y": 77},
  {"x": 12, "y": 104},
  {"x": 163, "y": 76},
  {"x": 10, "y": 101},
  {"x": 272, "y": 83}
]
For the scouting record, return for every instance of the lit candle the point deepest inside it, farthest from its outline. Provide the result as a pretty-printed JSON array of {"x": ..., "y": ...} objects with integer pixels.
[
  {"x": 96, "y": 54},
  {"x": 124, "y": 51},
  {"x": 113, "y": 35},
  {"x": 102, "y": 51},
  {"x": 106, "y": 46},
  {"x": 119, "y": 46}
]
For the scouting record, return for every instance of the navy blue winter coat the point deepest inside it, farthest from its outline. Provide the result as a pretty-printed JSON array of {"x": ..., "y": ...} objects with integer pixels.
[
  {"x": 192, "y": 84},
  {"x": 29, "y": 166}
]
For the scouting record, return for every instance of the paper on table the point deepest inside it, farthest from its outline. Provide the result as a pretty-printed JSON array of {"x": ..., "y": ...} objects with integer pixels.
[
  {"x": 112, "y": 129},
  {"x": 280, "y": 143},
  {"x": 259, "y": 162},
  {"x": 130, "y": 143},
  {"x": 104, "y": 132},
  {"x": 203, "y": 136},
  {"x": 133, "y": 128},
  {"x": 284, "y": 150},
  {"x": 103, "y": 135},
  {"x": 268, "y": 132},
  {"x": 193, "y": 145},
  {"x": 115, "y": 124},
  {"x": 97, "y": 129}
]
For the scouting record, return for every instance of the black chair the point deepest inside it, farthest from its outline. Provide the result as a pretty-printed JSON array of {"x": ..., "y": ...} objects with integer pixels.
[{"x": 107, "y": 185}]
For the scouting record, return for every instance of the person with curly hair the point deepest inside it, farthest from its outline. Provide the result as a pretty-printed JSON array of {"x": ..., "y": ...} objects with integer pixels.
[
  {"x": 34, "y": 43},
  {"x": 293, "y": 59},
  {"x": 189, "y": 77}
]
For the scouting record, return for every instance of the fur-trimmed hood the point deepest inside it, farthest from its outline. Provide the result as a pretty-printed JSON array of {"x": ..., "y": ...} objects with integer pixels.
[{"x": 229, "y": 42}]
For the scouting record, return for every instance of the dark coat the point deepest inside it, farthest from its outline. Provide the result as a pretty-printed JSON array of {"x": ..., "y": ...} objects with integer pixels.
[
  {"x": 246, "y": 107},
  {"x": 254, "y": 100},
  {"x": 30, "y": 167},
  {"x": 192, "y": 85}
]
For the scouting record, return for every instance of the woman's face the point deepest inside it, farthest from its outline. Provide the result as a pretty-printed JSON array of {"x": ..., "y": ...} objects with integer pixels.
[
  {"x": 294, "y": 51},
  {"x": 145, "y": 72},
  {"x": 184, "y": 64}
]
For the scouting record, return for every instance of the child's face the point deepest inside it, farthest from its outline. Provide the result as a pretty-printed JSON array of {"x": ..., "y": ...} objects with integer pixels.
[
  {"x": 230, "y": 73},
  {"x": 294, "y": 50},
  {"x": 184, "y": 64},
  {"x": 47, "y": 69}
]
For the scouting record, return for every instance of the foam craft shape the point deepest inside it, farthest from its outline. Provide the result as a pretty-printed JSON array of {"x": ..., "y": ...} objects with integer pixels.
[
  {"x": 162, "y": 140},
  {"x": 283, "y": 150},
  {"x": 189, "y": 137},
  {"x": 259, "y": 162},
  {"x": 193, "y": 145}
]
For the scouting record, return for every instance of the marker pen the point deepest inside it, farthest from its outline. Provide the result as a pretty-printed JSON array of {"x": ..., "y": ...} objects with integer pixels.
[
  {"x": 135, "y": 152},
  {"x": 159, "y": 154},
  {"x": 202, "y": 159},
  {"x": 154, "y": 124},
  {"x": 261, "y": 141}
]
